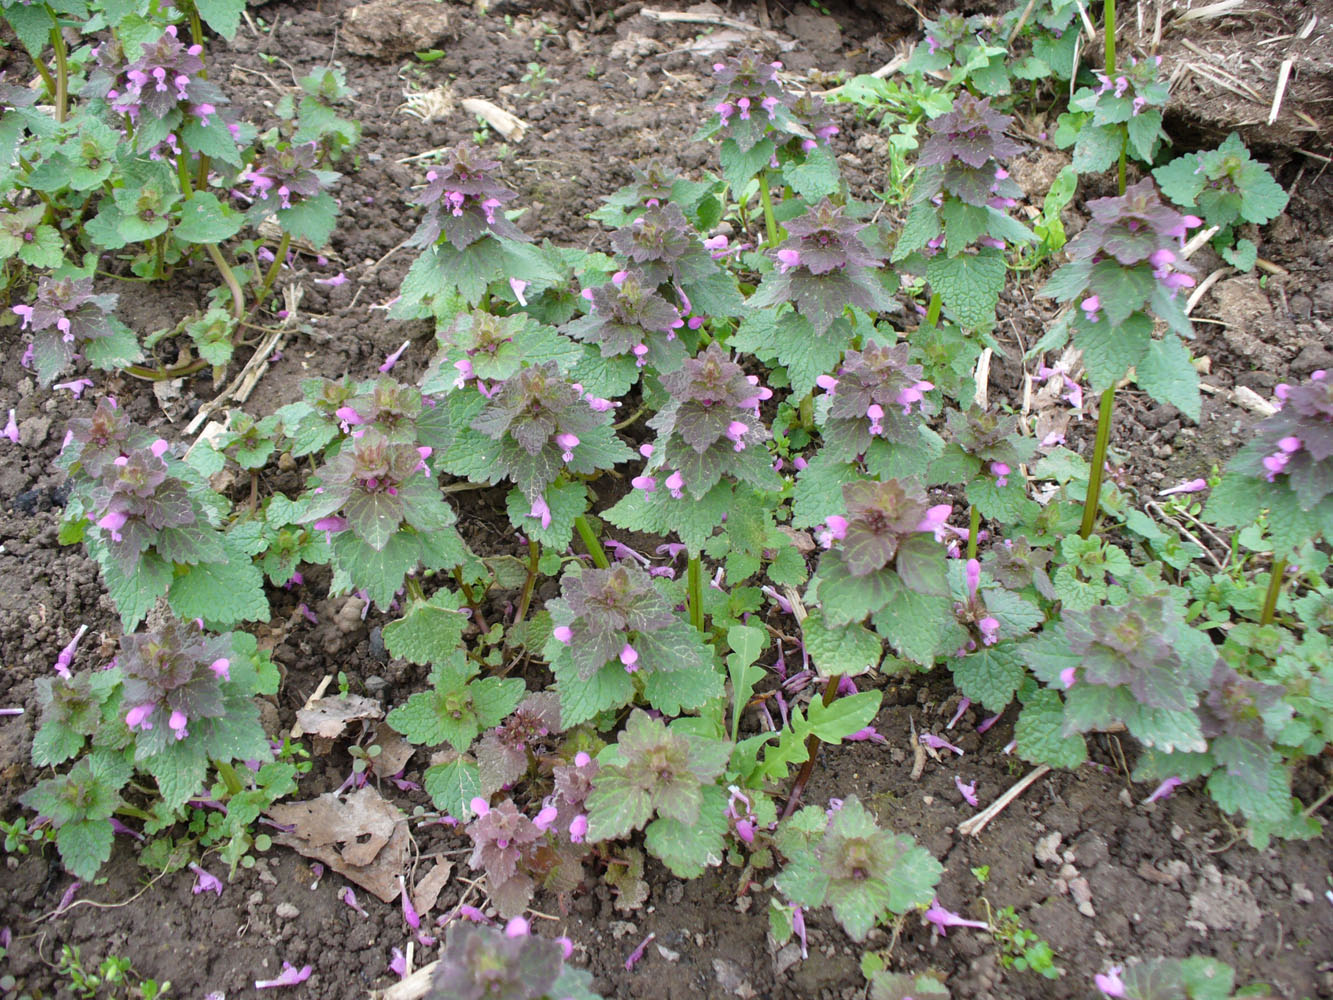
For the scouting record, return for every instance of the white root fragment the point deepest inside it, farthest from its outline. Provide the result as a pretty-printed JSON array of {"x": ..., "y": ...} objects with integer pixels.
[{"x": 974, "y": 826}]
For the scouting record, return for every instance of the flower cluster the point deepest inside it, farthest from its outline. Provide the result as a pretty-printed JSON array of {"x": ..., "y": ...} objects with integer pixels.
[
  {"x": 602, "y": 614},
  {"x": 1132, "y": 89},
  {"x": 747, "y": 97},
  {"x": 168, "y": 74},
  {"x": 963, "y": 158},
  {"x": 973, "y": 610},
  {"x": 710, "y": 427},
  {"x": 874, "y": 394},
  {"x": 171, "y": 678},
  {"x": 990, "y": 441},
  {"x": 284, "y": 173},
  {"x": 628, "y": 316},
  {"x": 881, "y": 518},
  {"x": 480, "y": 962},
  {"x": 463, "y": 202},
  {"x": 1297, "y": 442},
  {"x": 64, "y": 316}
]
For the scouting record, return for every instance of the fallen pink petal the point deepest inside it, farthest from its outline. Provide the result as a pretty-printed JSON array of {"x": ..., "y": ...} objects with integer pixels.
[{"x": 290, "y": 976}]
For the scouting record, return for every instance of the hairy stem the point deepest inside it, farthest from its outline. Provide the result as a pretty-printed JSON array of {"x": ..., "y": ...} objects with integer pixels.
[
  {"x": 973, "y": 530},
  {"x": 770, "y": 221},
  {"x": 591, "y": 543},
  {"x": 806, "y": 410},
  {"x": 414, "y": 590},
  {"x": 165, "y": 374},
  {"x": 62, "y": 69},
  {"x": 228, "y": 276},
  {"x": 272, "y": 274},
  {"x": 812, "y": 752},
  {"x": 1274, "y": 589},
  {"x": 1092, "y": 502},
  {"x": 1108, "y": 8},
  {"x": 695, "y": 585},
  {"x": 534, "y": 554}
]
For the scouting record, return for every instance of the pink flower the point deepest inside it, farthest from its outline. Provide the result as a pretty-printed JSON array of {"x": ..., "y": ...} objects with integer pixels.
[
  {"x": 541, "y": 510},
  {"x": 11, "y": 430},
  {"x": 968, "y": 792},
  {"x": 676, "y": 484},
  {"x": 937, "y": 743},
  {"x": 337, "y": 281},
  {"x": 990, "y": 630},
  {"x": 972, "y": 574},
  {"x": 479, "y": 806},
  {"x": 517, "y": 927},
  {"x": 221, "y": 667},
  {"x": 1164, "y": 789},
  {"x": 409, "y": 911},
  {"x": 204, "y": 882},
  {"x": 517, "y": 285},
  {"x": 398, "y": 963},
  {"x": 1000, "y": 471},
  {"x": 835, "y": 528},
  {"x": 578, "y": 828},
  {"x": 716, "y": 243},
  {"x": 1110, "y": 982},
  {"x": 629, "y": 656},
  {"x": 349, "y": 897},
  {"x": 177, "y": 722},
  {"x": 290, "y": 976},
  {"x": 77, "y": 386},
  {"x": 736, "y": 432},
  {"x": 876, "y": 413},
  {"x": 787, "y": 259},
  {"x": 646, "y": 483},
  {"x": 936, "y": 520},
  {"x": 1193, "y": 486},
  {"x": 567, "y": 443},
  {"x": 137, "y": 717},
  {"x": 943, "y": 919},
  {"x": 562, "y": 633},
  {"x": 913, "y": 394},
  {"x": 65, "y": 658},
  {"x": 1090, "y": 305},
  {"x": 1068, "y": 676},
  {"x": 545, "y": 818},
  {"x": 392, "y": 359}
]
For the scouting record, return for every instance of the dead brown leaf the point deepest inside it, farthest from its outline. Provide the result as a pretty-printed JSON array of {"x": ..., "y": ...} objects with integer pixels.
[{"x": 329, "y": 717}]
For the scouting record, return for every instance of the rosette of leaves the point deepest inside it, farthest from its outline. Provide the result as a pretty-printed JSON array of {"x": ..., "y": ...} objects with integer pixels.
[
  {"x": 662, "y": 780},
  {"x": 385, "y": 515},
  {"x": 1124, "y": 266},
  {"x": 150, "y": 522},
  {"x": 823, "y": 266},
  {"x": 479, "y": 345},
  {"x": 958, "y": 227},
  {"x": 847, "y": 862},
  {"x": 95, "y": 442},
  {"x": 965, "y": 47},
  {"x": 984, "y": 452},
  {"x": 508, "y": 750},
  {"x": 175, "y": 700},
  {"x": 631, "y": 322},
  {"x": 885, "y": 561},
  {"x": 67, "y": 318},
  {"x": 1286, "y": 471},
  {"x": 467, "y": 240},
  {"x": 616, "y": 638},
  {"x": 286, "y": 181},
  {"x": 1196, "y": 978},
  {"x": 1121, "y": 116},
  {"x": 24, "y": 234},
  {"x": 875, "y": 410},
  {"x": 1136, "y": 663},
  {"x": 314, "y": 422},
  {"x": 656, "y": 184},
  {"x": 484, "y": 963},
  {"x": 537, "y": 429},
  {"x": 662, "y": 245},
  {"x": 989, "y": 667},
  {"x": 386, "y": 404},
  {"x": 748, "y": 101},
  {"x": 1228, "y": 187},
  {"x": 1053, "y": 36},
  {"x": 503, "y": 844}
]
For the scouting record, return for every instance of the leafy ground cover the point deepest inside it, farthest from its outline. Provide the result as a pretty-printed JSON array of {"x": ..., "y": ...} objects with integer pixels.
[{"x": 744, "y": 590}]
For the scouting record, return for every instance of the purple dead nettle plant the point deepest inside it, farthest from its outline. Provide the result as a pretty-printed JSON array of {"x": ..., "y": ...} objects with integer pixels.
[
  {"x": 66, "y": 319},
  {"x": 628, "y": 317}
]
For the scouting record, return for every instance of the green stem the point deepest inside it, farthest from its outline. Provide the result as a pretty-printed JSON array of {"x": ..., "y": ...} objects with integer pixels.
[
  {"x": 695, "y": 584},
  {"x": 534, "y": 554},
  {"x": 933, "y": 310},
  {"x": 1108, "y": 8},
  {"x": 229, "y": 276},
  {"x": 414, "y": 590},
  {"x": 812, "y": 743},
  {"x": 1274, "y": 589},
  {"x": 165, "y": 374},
  {"x": 591, "y": 543},
  {"x": 125, "y": 809},
  {"x": 806, "y": 410},
  {"x": 272, "y": 274},
  {"x": 48, "y": 81},
  {"x": 1120, "y": 170},
  {"x": 62, "y": 69},
  {"x": 770, "y": 222},
  {"x": 472, "y": 602},
  {"x": 229, "y": 778},
  {"x": 1092, "y": 502},
  {"x": 974, "y": 529}
]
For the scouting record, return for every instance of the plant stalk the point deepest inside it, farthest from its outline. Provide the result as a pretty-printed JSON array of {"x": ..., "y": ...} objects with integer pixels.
[
  {"x": 973, "y": 530},
  {"x": 229, "y": 778},
  {"x": 812, "y": 743},
  {"x": 1274, "y": 590},
  {"x": 165, "y": 374},
  {"x": 228, "y": 276},
  {"x": 272, "y": 274},
  {"x": 933, "y": 310},
  {"x": 472, "y": 602},
  {"x": 534, "y": 554},
  {"x": 695, "y": 585},
  {"x": 770, "y": 221},
  {"x": 1093, "y": 501},
  {"x": 591, "y": 543},
  {"x": 62, "y": 69}
]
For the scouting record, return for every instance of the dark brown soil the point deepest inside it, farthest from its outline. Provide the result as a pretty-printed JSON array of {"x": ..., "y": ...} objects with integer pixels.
[{"x": 1164, "y": 879}]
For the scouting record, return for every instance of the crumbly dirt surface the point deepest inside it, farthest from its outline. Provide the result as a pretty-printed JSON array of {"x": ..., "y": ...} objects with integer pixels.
[{"x": 1084, "y": 862}]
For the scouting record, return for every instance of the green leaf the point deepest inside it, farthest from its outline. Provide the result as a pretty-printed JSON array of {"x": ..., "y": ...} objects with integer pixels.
[
  {"x": 844, "y": 598},
  {"x": 1041, "y": 733},
  {"x": 843, "y": 716},
  {"x": 380, "y": 573},
  {"x": 312, "y": 219},
  {"x": 1110, "y": 351},
  {"x": 1181, "y": 180},
  {"x": 222, "y": 594},
  {"x": 963, "y": 223},
  {"x": 565, "y": 501},
  {"x": 431, "y": 631},
  {"x": 747, "y": 643},
  {"x": 1242, "y": 256},
  {"x": 969, "y": 284},
  {"x": 851, "y": 649},
  {"x": 990, "y": 675},
  {"x": 616, "y": 807},
  {"x": 180, "y": 769},
  {"x": 205, "y": 219},
  {"x": 453, "y": 785},
  {"x": 1166, "y": 373},
  {"x": 687, "y": 849},
  {"x": 739, "y": 166},
  {"x": 814, "y": 179},
  {"x": 55, "y": 743},
  {"x": 85, "y": 845},
  {"x": 135, "y": 594},
  {"x": 580, "y": 700},
  {"x": 222, "y": 16},
  {"x": 919, "y": 627}
]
